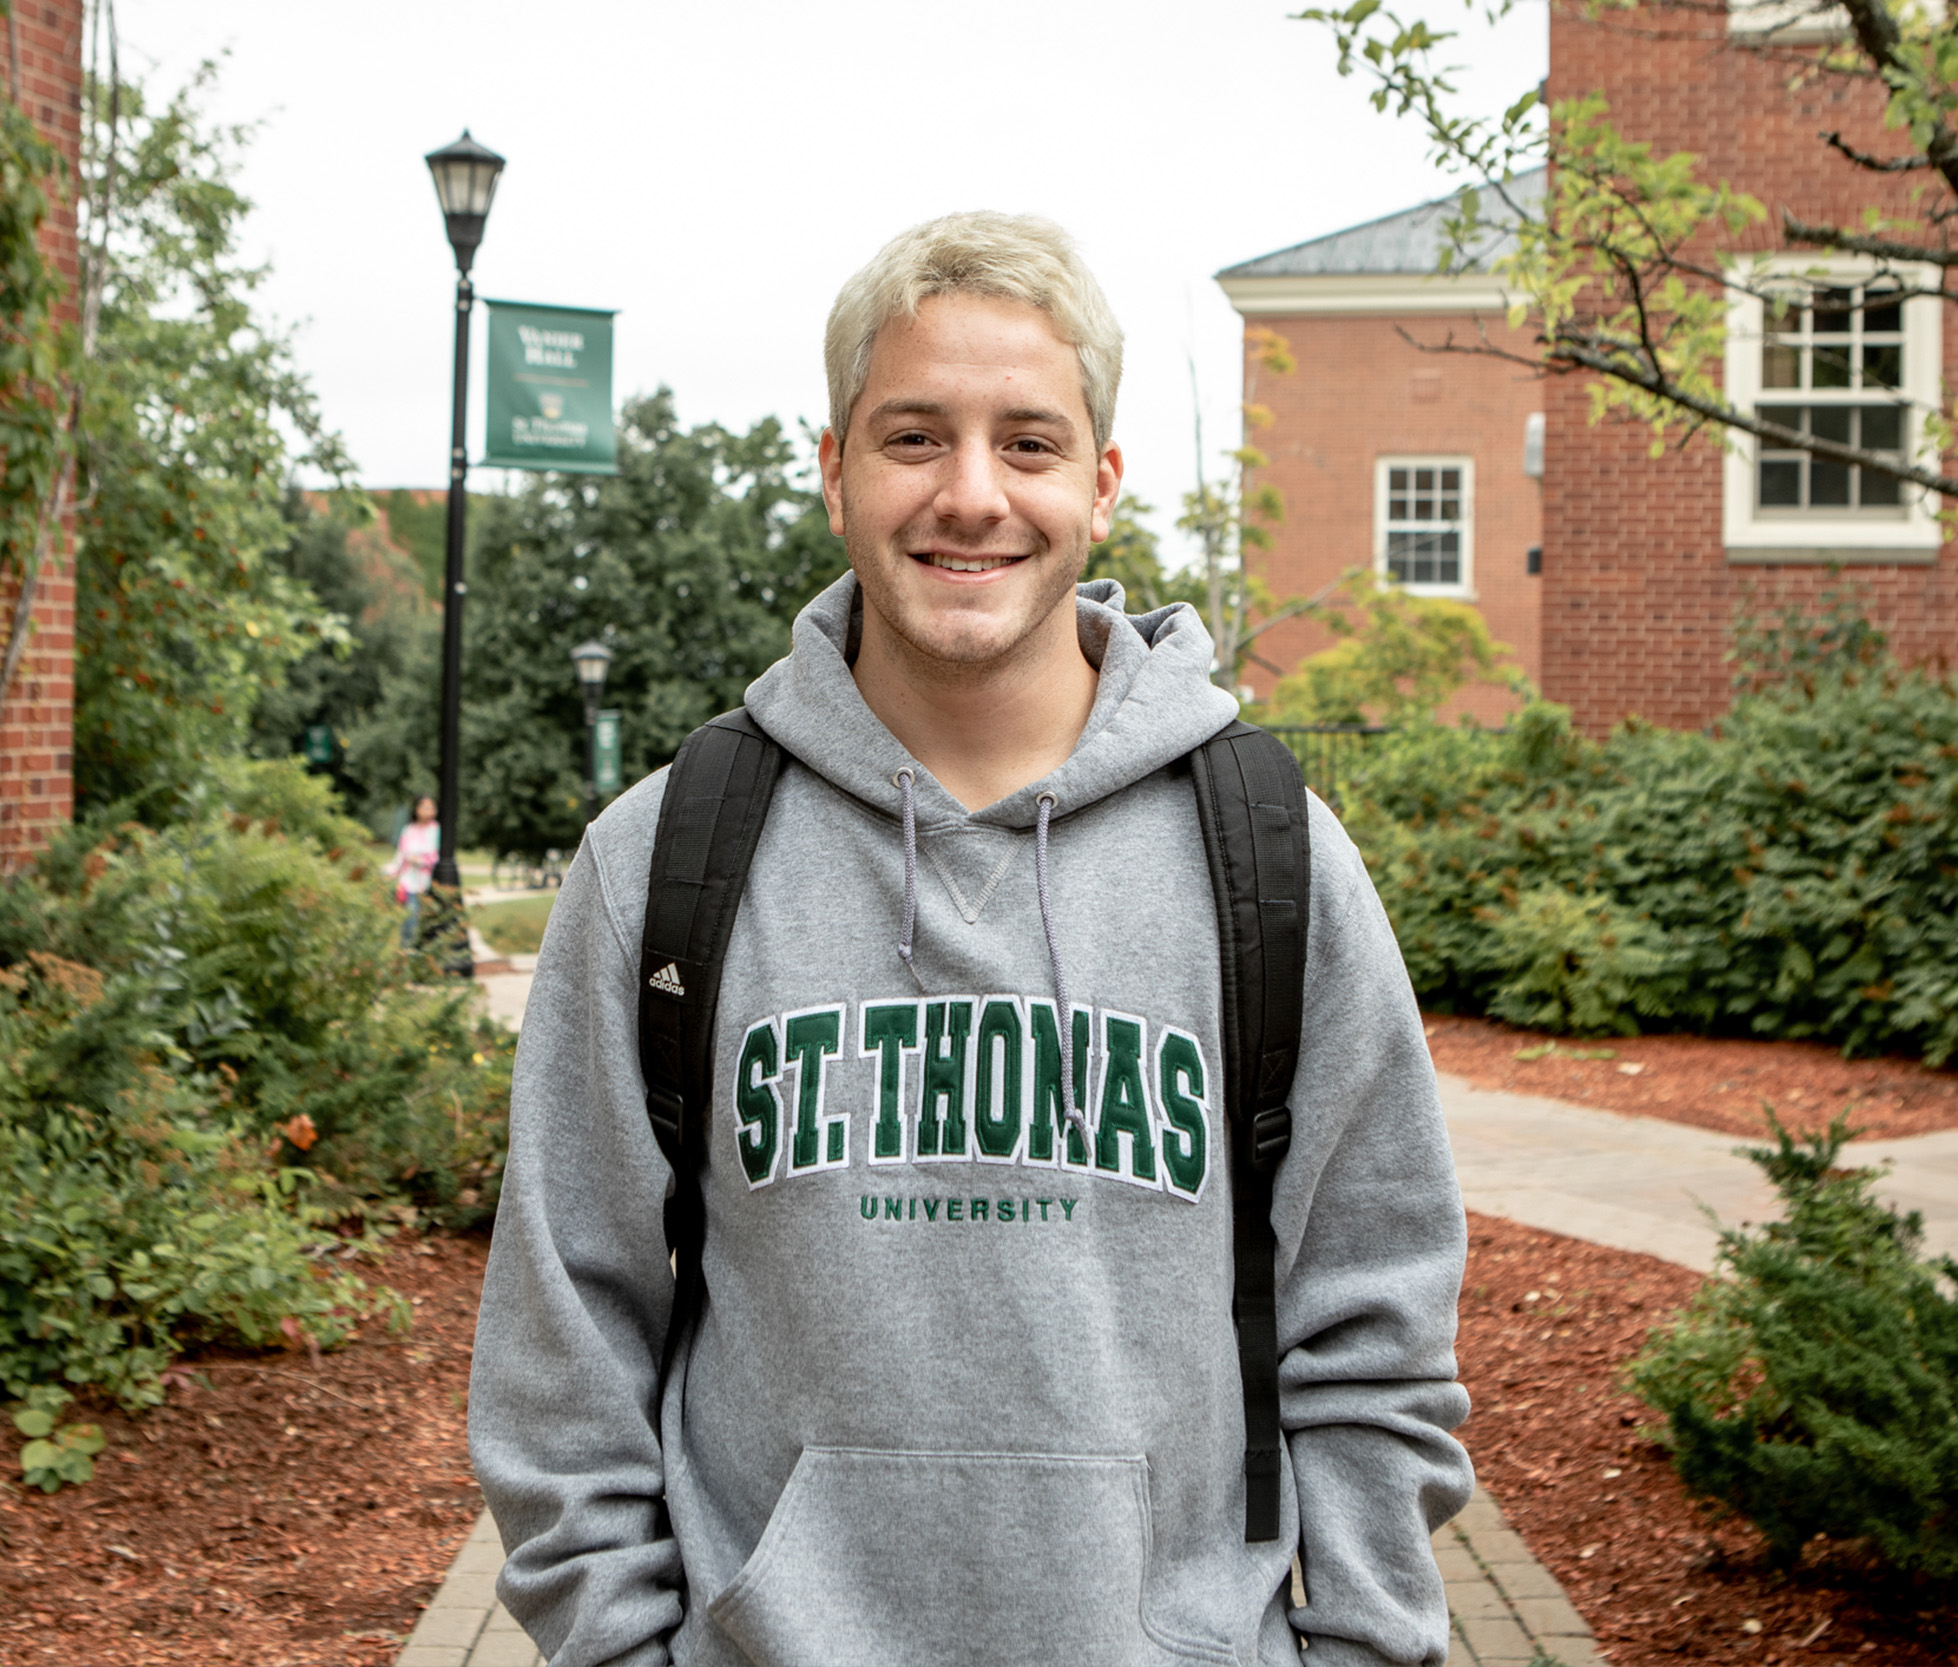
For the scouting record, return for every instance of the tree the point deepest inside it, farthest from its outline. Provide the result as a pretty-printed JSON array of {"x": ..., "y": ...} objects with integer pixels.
[
  {"x": 1235, "y": 514},
  {"x": 193, "y": 414},
  {"x": 1619, "y": 266},
  {"x": 1132, "y": 556},
  {"x": 690, "y": 564}
]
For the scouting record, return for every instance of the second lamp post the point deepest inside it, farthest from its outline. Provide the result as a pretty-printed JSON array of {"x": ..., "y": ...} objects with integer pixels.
[{"x": 592, "y": 660}]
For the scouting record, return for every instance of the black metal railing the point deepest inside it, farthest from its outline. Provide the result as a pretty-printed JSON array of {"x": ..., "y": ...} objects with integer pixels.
[{"x": 1328, "y": 753}]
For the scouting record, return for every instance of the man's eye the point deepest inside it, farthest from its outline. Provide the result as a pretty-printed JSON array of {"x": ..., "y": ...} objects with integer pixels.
[
  {"x": 1029, "y": 445},
  {"x": 911, "y": 438}
]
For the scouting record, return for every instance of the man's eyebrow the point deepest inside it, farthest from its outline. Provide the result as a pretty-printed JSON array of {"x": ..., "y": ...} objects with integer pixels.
[{"x": 932, "y": 408}]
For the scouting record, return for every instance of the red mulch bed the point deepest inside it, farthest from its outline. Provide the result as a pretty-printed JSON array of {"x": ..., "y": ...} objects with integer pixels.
[
  {"x": 1546, "y": 1323},
  {"x": 213, "y": 1535},
  {"x": 1714, "y": 1083},
  {"x": 274, "y": 1512}
]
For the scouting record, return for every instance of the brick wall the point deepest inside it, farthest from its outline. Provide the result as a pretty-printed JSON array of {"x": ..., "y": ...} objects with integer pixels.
[
  {"x": 1361, "y": 392},
  {"x": 1638, "y": 595},
  {"x": 37, "y": 713}
]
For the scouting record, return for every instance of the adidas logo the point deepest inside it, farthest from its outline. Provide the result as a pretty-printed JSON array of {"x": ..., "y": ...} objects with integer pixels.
[{"x": 667, "y": 980}]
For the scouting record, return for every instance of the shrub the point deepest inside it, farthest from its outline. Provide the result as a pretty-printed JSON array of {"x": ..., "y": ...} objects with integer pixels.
[
  {"x": 1812, "y": 1384},
  {"x": 265, "y": 933},
  {"x": 1795, "y": 875},
  {"x": 134, "y": 1218},
  {"x": 210, "y": 1048}
]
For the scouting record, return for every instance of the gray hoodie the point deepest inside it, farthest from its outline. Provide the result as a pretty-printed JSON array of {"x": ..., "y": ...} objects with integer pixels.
[{"x": 964, "y": 1387}]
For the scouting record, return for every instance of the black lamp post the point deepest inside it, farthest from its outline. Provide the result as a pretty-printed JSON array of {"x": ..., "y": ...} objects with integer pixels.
[
  {"x": 465, "y": 182},
  {"x": 592, "y": 659}
]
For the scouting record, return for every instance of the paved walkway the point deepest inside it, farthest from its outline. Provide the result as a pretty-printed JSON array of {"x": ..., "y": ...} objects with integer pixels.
[
  {"x": 1636, "y": 1183},
  {"x": 1632, "y": 1183}
]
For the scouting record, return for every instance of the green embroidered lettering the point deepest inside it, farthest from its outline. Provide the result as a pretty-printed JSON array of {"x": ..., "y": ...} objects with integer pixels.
[
  {"x": 979, "y": 1208},
  {"x": 931, "y": 1209},
  {"x": 889, "y": 1030},
  {"x": 1067, "y": 1208},
  {"x": 757, "y": 1105},
  {"x": 1180, "y": 1084},
  {"x": 997, "y": 1112},
  {"x": 942, "y": 1088},
  {"x": 1043, "y": 1203},
  {"x": 952, "y": 1208},
  {"x": 1124, "y": 1103},
  {"x": 1005, "y": 1209},
  {"x": 811, "y": 1038},
  {"x": 893, "y": 1209},
  {"x": 868, "y": 1206},
  {"x": 1049, "y": 1111}
]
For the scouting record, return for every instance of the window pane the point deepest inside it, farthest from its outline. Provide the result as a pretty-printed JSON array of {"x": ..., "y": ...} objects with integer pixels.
[
  {"x": 1830, "y": 422},
  {"x": 1781, "y": 366},
  {"x": 1424, "y": 480},
  {"x": 1880, "y": 490},
  {"x": 1451, "y": 509},
  {"x": 1396, "y": 480},
  {"x": 1881, "y": 316},
  {"x": 1788, "y": 416},
  {"x": 1396, "y": 509},
  {"x": 1883, "y": 427},
  {"x": 1828, "y": 484},
  {"x": 1451, "y": 480},
  {"x": 1833, "y": 308},
  {"x": 1781, "y": 483},
  {"x": 1424, "y": 508},
  {"x": 1883, "y": 367},
  {"x": 1829, "y": 367},
  {"x": 1448, "y": 558}
]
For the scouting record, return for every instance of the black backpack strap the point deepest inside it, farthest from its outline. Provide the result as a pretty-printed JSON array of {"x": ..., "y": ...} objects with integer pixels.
[
  {"x": 710, "y": 819},
  {"x": 1251, "y": 804}
]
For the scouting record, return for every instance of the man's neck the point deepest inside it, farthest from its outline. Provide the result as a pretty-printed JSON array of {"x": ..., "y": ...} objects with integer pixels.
[{"x": 983, "y": 731}]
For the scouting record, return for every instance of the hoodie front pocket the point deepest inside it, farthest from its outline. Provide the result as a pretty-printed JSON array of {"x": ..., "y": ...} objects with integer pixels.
[{"x": 929, "y": 1558}]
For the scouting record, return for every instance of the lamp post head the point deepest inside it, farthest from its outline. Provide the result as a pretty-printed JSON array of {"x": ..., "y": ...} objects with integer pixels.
[
  {"x": 591, "y": 659},
  {"x": 465, "y": 184}
]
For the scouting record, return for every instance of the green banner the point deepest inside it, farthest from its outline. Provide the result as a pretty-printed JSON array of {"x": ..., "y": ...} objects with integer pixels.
[
  {"x": 550, "y": 389},
  {"x": 605, "y": 753}
]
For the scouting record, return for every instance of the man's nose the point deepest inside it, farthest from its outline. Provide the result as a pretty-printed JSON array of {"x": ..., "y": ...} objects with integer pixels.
[{"x": 972, "y": 491}]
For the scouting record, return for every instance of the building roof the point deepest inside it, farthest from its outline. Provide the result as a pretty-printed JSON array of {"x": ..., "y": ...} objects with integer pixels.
[{"x": 1408, "y": 242}]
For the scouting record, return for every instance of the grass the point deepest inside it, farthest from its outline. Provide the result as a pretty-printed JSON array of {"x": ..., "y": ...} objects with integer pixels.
[{"x": 515, "y": 927}]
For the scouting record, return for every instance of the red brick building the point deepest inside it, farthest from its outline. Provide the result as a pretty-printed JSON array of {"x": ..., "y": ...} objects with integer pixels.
[
  {"x": 37, "y": 711},
  {"x": 1422, "y": 466},
  {"x": 1645, "y": 563}
]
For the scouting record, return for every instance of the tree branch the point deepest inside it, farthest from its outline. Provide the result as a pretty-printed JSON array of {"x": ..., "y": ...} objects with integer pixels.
[
  {"x": 1576, "y": 351},
  {"x": 1857, "y": 243},
  {"x": 52, "y": 511},
  {"x": 1876, "y": 164},
  {"x": 1879, "y": 37}
]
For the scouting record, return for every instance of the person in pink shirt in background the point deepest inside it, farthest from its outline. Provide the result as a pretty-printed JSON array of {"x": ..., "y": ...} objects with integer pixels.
[{"x": 414, "y": 864}]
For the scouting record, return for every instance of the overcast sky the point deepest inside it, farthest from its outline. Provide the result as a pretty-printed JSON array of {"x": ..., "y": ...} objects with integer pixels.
[{"x": 716, "y": 170}]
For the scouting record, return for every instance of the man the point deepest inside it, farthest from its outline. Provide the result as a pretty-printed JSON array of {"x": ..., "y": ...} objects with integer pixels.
[{"x": 964, "y": 1386}]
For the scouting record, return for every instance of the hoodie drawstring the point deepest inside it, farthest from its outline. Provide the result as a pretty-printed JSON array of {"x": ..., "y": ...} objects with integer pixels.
[
  {"x": 906, "y": 783},
  {"x": 1064, "y": 1011}
]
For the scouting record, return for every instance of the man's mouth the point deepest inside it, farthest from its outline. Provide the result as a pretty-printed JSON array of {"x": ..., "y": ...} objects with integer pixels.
[{"x": 964, "y": 564}]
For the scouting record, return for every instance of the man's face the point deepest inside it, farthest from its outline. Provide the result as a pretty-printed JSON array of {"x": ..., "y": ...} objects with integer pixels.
[{"x": 969, "y": 488}]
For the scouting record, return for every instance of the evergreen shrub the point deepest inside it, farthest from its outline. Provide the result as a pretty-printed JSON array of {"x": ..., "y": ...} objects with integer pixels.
[
  {"x": 212, "y": 1050},
  {"x": 1812, "y": 1384},
  {"x": 1793, "y": 875}
]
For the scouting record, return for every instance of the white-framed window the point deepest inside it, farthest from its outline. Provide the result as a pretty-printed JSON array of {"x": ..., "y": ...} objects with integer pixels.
[
  {"x": 1424, "y": 523},
  {"x": 1840, "y": 351}
]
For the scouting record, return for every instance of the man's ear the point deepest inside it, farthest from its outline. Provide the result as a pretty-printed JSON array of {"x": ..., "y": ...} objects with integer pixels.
[
  {"x": 829, "y": 458},
  {"x": 1108, "y": 487}
]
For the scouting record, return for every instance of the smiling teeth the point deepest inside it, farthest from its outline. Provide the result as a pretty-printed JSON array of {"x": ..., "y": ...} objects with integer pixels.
[{"x": 969, "y": 564}]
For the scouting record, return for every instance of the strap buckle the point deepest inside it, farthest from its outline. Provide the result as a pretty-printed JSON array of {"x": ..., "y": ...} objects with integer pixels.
[{"x": 1271, "y": 1138}]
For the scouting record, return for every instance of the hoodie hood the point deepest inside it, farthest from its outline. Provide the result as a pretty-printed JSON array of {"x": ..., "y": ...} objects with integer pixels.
[{"x": 1154, "y": 703}]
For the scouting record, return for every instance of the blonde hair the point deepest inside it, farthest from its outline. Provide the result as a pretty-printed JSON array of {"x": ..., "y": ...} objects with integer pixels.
[{"x": 1014, "y": 257}]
